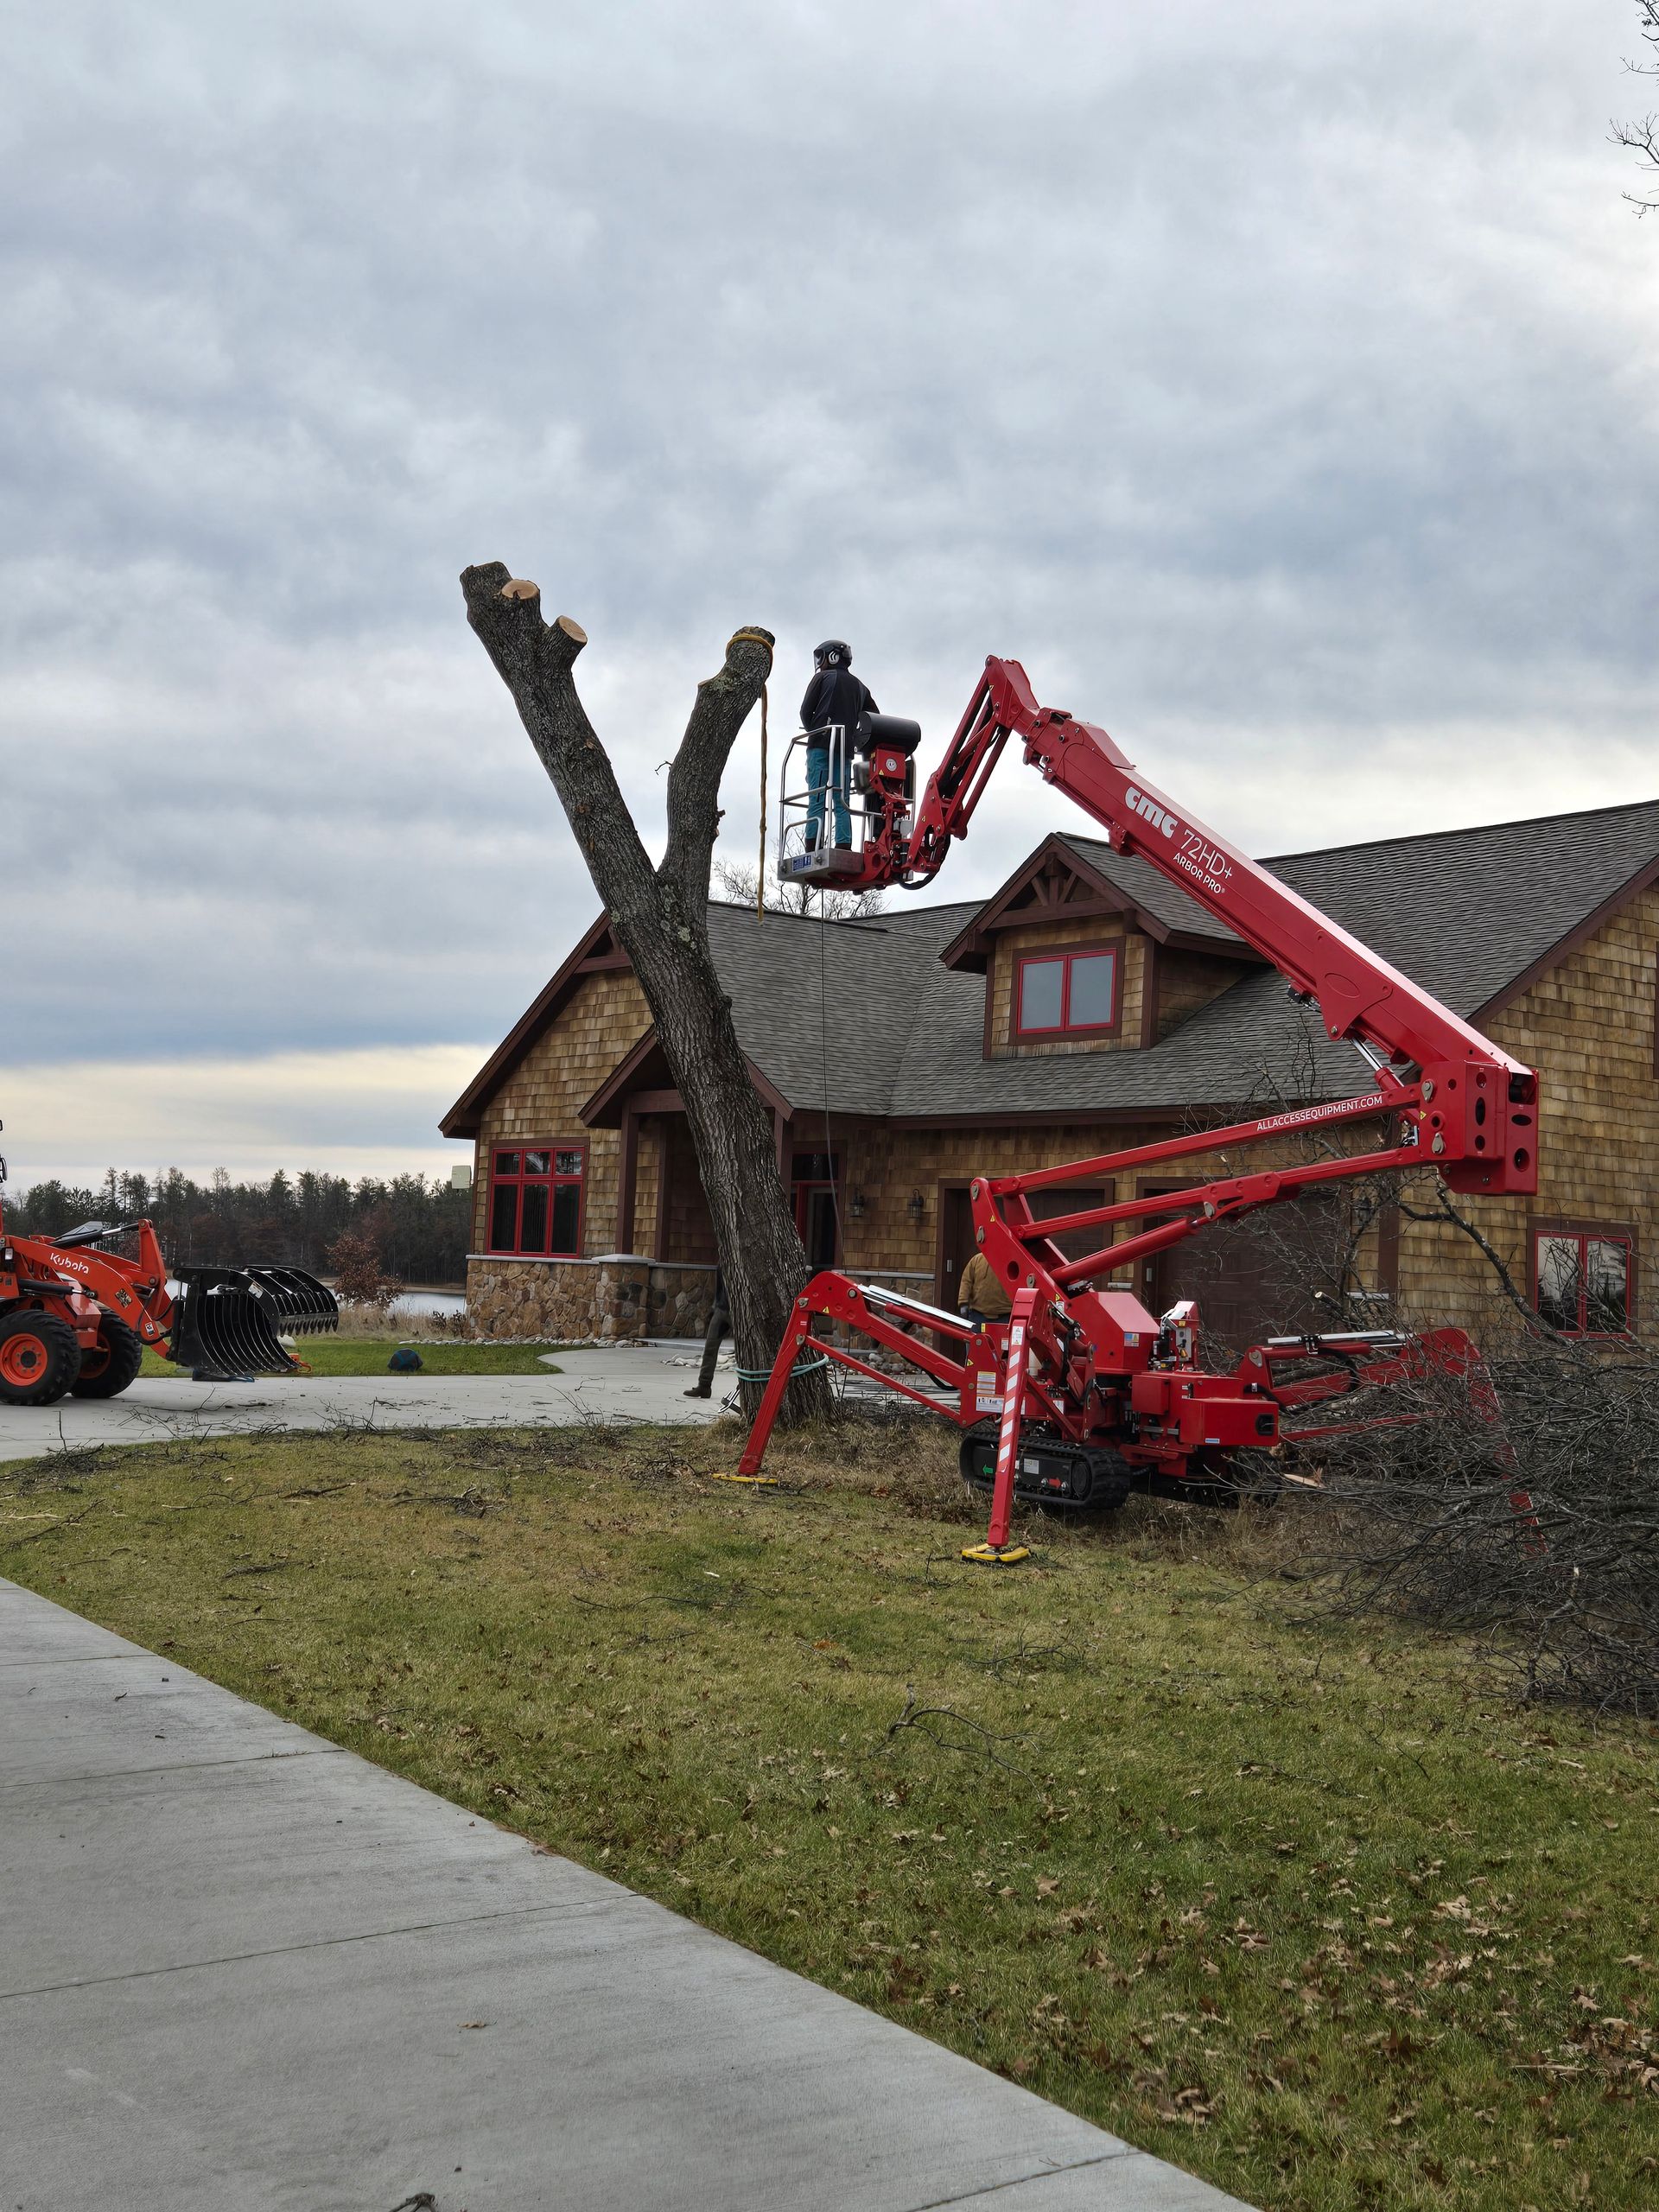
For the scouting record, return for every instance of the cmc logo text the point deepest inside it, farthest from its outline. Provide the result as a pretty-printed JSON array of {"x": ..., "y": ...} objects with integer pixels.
[{"x": 1141, "y": 805}]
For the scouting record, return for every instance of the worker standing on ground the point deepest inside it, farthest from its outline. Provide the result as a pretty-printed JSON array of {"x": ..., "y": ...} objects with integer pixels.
[
  {"x": 980, "y": 1296},
  {"x": 834, "y": 695},
  {"x": 720, "y": 1322}
]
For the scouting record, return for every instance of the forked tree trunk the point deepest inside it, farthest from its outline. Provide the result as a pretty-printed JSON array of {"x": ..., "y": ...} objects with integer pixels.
[{"x": 660, "y": 915}]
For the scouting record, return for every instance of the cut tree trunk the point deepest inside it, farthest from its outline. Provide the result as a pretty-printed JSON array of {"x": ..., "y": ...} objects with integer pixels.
[{"x": 660, "y": 915}]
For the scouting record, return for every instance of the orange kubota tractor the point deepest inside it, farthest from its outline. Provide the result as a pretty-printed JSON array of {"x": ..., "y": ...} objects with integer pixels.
[{"x": 77, "y": 1311}]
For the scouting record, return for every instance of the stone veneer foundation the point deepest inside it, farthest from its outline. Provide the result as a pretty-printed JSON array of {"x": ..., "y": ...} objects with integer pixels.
[
  {"x": 614, "y": 1298},
  {"x": 618, "y": 1298}
]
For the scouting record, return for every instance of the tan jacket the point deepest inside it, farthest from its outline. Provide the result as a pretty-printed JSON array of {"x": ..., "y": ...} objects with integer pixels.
[{"x": 980, "y": 1288}]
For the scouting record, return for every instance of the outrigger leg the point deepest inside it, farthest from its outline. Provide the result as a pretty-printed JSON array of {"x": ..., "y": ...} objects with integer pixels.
[
  {"x": 892, "y": 1319},
  {"x": 782, "y": 1367},
  {"x": 996, "y": 1551}
]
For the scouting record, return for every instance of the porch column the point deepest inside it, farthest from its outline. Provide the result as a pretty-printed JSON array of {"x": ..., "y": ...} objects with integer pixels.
[
  {"x": 628, "y": 1179},
  {"x": 659, "y": 1241}
]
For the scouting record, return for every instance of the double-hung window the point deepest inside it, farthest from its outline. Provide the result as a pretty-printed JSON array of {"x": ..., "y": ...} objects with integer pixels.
[
  {"x": 535, "y": 1198},
  {"x": 1066, "y": 994},
  {"x": 1583, "y": 1280}
]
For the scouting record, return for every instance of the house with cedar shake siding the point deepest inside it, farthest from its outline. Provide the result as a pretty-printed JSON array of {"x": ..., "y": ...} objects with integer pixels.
[{"x": 1088, "y": 1007}]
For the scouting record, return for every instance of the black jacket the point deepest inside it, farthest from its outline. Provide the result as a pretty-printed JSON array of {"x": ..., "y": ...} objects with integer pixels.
[{"x": 835, "y": 695}]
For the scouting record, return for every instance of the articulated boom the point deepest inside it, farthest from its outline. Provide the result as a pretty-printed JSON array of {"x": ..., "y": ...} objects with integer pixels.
[
  {"x": 1114, "y": 1397},
  {"x": 1480, "y": 1126}
]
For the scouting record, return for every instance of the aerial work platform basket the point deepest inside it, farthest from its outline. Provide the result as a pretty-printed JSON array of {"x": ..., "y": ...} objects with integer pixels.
[{"x": 844, "y": 778}]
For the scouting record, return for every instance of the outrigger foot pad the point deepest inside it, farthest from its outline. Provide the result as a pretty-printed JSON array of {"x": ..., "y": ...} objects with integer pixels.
[{"x": 989, "y": 1556}]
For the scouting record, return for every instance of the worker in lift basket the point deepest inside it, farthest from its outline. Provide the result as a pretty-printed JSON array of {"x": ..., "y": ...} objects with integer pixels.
[
  {"x": 980, "y": 1297},
  {"x": 835, "y": 694}
]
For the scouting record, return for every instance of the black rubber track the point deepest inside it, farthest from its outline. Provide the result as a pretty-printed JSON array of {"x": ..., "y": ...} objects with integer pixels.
[
  {"x": 1111, "y": 1476},
  {"x": 107, "y": 1372}
]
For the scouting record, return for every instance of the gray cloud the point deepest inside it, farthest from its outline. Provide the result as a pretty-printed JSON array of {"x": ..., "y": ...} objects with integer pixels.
[{"x": 1276, "y": 383}]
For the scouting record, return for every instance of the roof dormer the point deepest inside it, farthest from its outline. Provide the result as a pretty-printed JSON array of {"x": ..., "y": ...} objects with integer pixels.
[{"x": 1087, "y": 949}]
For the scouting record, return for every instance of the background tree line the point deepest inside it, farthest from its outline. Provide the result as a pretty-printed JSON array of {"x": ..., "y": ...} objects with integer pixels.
[{"x": 418, "y": 1231}]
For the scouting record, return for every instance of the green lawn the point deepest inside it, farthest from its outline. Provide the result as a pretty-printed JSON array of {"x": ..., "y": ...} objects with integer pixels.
[
  {"x": 333, "y": 1355},
  {"x": 1306, "y": 1906}
]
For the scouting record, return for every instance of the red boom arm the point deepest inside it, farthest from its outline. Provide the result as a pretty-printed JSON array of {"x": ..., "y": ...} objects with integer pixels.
[{"x": 1478, "y": 1122}]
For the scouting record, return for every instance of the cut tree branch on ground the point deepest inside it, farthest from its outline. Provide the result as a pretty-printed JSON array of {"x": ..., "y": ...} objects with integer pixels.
[
  {"x": 660, "y": 917},
  {"x": 917, "y": 1717}
]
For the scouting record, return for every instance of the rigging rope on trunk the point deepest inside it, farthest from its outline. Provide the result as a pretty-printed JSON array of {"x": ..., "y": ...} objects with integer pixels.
[{"x": 760, "y": 870}]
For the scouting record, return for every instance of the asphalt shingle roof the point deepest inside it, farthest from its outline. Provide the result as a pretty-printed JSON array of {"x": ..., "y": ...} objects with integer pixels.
[
  {"x": 877, "y": 972},
  {"x": 1143, "y": 886},
  {"x": 1464, "y": 912}
]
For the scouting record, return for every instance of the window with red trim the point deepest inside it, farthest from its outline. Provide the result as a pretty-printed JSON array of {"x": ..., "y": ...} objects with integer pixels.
[
  {"x": 1582, "y": 1281},
  {"x": 535, "y": 1198},
  {"x": 1070, "y": 993}
]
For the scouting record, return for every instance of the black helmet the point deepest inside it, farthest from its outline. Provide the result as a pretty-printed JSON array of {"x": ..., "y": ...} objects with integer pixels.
[{"x": 832, "y": 653}]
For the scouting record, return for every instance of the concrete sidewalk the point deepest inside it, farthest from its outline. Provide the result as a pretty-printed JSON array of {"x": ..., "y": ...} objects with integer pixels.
[
  {"x": 244, "y": 1971},
  {"x": 646, "y": 1384}
]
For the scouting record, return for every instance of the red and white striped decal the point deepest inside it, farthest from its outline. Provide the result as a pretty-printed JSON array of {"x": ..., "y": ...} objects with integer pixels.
[{"x": 1008, "y": 1435}]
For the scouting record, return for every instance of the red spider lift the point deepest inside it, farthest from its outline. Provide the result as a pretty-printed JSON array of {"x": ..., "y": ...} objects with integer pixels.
[{"x": 1083, "y": 1395}]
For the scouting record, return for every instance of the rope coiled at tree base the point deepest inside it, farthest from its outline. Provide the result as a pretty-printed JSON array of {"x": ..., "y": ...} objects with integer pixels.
[{"x": 763, "y": 1374}]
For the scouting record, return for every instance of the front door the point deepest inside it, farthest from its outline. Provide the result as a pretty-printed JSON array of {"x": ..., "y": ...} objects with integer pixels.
[
  {"x": 956, "y": 1245},
  {"x": 956, "y": 1241},
  {"x": 1076, "y": 1243},
  {"x": 813, "y": 1179}
]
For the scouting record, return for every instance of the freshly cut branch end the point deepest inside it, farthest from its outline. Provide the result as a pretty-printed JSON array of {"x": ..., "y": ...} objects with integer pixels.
[
  {"x": 747, "y": 659},
  {"x": 505, "y": 611}
]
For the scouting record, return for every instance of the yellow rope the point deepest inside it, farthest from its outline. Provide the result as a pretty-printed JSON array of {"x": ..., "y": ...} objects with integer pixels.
[{"x": 760, "y": 872}]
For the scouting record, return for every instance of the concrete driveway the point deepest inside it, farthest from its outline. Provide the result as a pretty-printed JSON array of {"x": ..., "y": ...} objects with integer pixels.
[{"x": 624, "y": 1383}]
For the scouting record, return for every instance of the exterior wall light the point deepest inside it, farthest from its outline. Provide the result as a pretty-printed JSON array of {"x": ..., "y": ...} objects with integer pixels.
[
  {"x": 856, "y": 1205},
  {"x": 916, "y": 1207}
]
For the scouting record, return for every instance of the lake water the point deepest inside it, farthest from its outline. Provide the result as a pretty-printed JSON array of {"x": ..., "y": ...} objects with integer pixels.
[{"x": 410, "y": 1302}]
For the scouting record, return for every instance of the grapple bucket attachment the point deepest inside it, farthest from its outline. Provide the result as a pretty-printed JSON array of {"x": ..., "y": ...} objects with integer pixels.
[
  {"x": 228, "y": 1320},
  {"x": 300, "y": 1304}
]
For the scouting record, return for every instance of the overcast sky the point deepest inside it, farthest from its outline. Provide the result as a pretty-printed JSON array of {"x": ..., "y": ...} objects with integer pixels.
[{"x": 1276, "y": 382}]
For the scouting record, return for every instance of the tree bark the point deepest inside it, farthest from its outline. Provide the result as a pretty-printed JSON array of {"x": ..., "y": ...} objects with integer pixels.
[{"x": 660, "y": 915}]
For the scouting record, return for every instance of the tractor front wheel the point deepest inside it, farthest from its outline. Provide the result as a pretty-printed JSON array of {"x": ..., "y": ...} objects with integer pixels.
[
  {"x": 106, "y": 1370},
  {"x": 39, "y": 1357}
]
